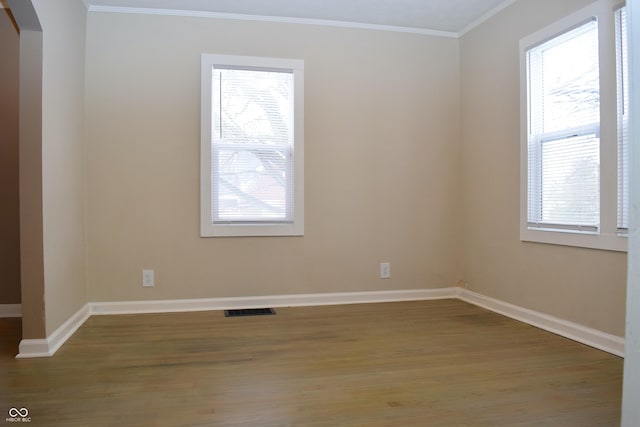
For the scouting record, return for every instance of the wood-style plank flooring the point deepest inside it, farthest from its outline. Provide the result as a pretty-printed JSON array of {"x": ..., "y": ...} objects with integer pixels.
[{"x": 426, "y": 363}]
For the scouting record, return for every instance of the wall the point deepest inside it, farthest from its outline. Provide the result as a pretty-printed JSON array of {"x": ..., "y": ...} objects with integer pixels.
[
  {"x": 631, "y": 391},
  {"x": 63, "y": 158},
  {"x": 30, "y": 170},
  {"x": 9, "y": 190},
  {"x": 581, "y": 285},
  {"x": 381, "y": 157}
]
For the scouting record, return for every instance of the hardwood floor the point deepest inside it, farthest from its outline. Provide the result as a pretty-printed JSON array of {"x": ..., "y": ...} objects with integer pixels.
[{"x": 427, "y": 363}]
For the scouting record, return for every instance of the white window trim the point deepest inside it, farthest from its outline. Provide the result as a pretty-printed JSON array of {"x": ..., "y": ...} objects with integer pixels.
[
  {"x": 207, "y": 226},
  {"x": 607, "y": 237}
]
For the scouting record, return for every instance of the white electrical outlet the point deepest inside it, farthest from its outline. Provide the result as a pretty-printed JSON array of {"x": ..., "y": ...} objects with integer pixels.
[
  {"x": 385, "y": 270},
  {"x": 148, "y": 278}
]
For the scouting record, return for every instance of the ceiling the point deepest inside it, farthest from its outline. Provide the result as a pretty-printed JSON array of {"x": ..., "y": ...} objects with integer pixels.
[{"x": 451, "y": 16}]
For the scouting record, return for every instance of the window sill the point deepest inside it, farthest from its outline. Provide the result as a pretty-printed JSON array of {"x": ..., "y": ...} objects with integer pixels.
[
  {"x": 251, "y": 230},
  {"x": 590, "y": 240}
]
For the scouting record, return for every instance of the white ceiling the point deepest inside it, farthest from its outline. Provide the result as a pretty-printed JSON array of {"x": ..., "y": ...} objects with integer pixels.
[{"x": 451, "y": 16}]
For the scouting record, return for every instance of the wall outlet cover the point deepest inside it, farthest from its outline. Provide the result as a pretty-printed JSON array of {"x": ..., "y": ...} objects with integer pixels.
[{"x": 148, "y": 278}]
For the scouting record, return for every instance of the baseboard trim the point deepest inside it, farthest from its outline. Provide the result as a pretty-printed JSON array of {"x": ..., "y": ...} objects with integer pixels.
[
  {"x": 30, "y": 348},
  {"x": 10, "y": 310},
  {"x": 299, "y": 300},
  {"x": 574, "y": 331}
]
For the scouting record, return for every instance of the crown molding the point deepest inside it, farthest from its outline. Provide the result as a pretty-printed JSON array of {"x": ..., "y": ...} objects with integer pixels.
[
  {"x": 277, "y": 19},
  {"x": 490, "y": 14}
]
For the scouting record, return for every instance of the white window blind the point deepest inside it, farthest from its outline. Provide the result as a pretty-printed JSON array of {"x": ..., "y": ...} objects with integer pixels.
[
  {"x": 564, "y": 131},
  {"x": 622, "y": 71},
  {"x": 252, "y": 146}
]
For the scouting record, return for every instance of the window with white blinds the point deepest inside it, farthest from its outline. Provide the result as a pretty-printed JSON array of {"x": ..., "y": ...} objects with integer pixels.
[
  {"x": 622, "y": 78},
  {"x": 564, "y": 131},
  {"x": 251, "y": 146},
  {"x": 574, "y": 140},
  {"x": 252, "y": 150}
]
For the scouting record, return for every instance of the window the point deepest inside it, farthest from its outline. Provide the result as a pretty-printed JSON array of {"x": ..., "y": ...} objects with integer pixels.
[
  {"x": 568, "y": 143},
  {"x": 564, "y": 131},
  {"x": 622, "y": 79},
  {"x": 251, "y": 146}
]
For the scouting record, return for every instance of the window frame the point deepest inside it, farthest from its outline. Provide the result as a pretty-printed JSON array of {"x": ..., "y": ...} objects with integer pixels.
[
  {"x": 209, "y": 228},
  {"x": 606, "y": 237}
]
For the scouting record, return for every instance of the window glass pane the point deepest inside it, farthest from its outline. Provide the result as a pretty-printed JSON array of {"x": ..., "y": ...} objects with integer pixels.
[
  {"x": 570, "y": 84},
  {"x": 252, "y": 155},
  {"x": 570, "y": 183},
  {"x": 251, "y": 183}
]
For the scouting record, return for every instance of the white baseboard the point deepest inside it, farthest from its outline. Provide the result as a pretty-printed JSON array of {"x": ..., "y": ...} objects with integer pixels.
[
  {"x": 574, "y": 331},
  {"x": 30, "y": 348},
  {"x": 10, "y": 310},
  {"x": 299, "y": 300},
  {"x": 47, "y": 347}
]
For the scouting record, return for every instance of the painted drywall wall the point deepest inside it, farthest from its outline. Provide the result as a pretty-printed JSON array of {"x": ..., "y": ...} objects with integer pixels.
[
  {"x": 30, "y": 173},
  {"x": 631, "y": 391},
  {"x": 63, "y": 164},
  {"x": 381, "y": 157},
  {"x": 581, "y": 285},
  {"x": 9, "y": 134}
]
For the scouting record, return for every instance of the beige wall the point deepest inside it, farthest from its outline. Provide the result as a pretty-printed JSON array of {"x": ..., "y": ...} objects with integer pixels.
[
  {"x": 580, "y": 285},
  {"x": 9, "y": 198},
  {"x": 63, "y": 163},
  {"x": 631, "y": 391},
  {"x": 381, "y": 153},
  {"x": 30, "y": 173}
]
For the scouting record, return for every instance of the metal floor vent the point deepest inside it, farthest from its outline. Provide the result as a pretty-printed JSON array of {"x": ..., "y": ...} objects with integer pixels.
[{"x": 249, "y": 312}]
